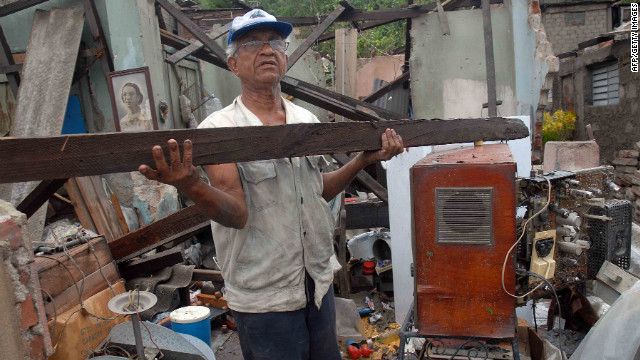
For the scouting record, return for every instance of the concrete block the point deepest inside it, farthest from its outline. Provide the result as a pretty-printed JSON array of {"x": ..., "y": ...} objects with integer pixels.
[
  {"x": 570, "y": 155},
  {"x": 628, "y": 154},
  {"x": 626, "y": 169},
  {"x": 625, "y": 161}
]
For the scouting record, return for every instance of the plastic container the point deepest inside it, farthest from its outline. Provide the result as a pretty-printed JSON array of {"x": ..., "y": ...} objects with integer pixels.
[
  {"x": 194, "y": 321},
  {"x": 368, "y": 268},
  {"x": 390, "y": 336}
]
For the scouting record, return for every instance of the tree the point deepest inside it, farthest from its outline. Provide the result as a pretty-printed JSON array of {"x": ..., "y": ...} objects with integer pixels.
[{"x": 380, "y": 40}]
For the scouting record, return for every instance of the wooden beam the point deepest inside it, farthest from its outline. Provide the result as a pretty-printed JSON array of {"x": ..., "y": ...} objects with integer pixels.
[
  {"x": 15, "y": 68},
  {"x": 161, "y": 24},
  {"x": 324, "y": 25},
  {"x": 184, "y": 52},
  {"x": 367, "y": 180},
  {"x": 18, "y": 6},
  {"x": 56, "y": 278},
  {"x": 177, "y": 226},
  {"x": 361, "y": 27},
  {"x": 387, "y": 88},
  {"x": 150, "y": 264},
  {"x": 39, "y": 196},
  {"x": 193, "y": 28},
  {"x": 367, "y": 214},
  {"x": 54, "y": 157},
  {"x": 91, "y": 13},
  {"x": 206, "y": 275},
  {"x": 6, "y": 59}
]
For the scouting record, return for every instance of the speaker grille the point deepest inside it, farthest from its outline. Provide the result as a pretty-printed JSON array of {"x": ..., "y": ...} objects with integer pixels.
[
  {"x": 464, "y": 216},
  {"x": 610, "y": 240}
]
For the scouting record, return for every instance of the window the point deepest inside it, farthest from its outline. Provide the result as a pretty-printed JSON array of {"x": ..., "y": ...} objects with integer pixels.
[
  {"x": 575, "y": 18},
  {"x": 605, "y": 85}
]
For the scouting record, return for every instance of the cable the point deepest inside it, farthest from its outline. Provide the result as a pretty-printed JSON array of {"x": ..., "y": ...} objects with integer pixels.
[
  {"x": 145, "y": 326},
  {"x": 55, "y": 312},
  {"x": 524, "y": 231},
  {"x": 559, "y": 307}
]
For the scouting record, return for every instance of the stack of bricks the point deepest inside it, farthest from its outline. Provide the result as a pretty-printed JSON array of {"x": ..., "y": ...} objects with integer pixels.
[
  {"x": 25, "y": 334},
  {"x": 627, "y": 175}
]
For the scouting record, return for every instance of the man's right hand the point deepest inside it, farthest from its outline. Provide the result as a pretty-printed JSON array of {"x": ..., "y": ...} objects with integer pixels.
[{"x": 179, "y": 173}]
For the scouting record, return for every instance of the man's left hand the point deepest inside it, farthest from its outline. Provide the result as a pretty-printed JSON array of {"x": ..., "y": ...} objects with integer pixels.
[{"x": 392, "y": 145}]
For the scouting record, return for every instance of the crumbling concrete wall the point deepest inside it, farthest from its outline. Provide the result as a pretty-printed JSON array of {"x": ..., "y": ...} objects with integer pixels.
[
  {"x": 615, "y": 127},
  {"x": 19, "y": 280},
  {"x": 565, "y": 35},
  {"x": 386, "y": 68}
]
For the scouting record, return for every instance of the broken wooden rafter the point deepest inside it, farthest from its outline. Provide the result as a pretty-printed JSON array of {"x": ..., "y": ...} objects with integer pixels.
[
  {"x": 176, "y": 227},
  {"x": 18, "y": 6},
  {"x": 297, "y": 54},
  {"x": 184, "y": 52},
  {"x": 192, "y": 28},
  {"x": 387, "y": 88},
  {"x": 151, "y": 264},
  {"x": 54, "y": 157},
  {"x": 39, "y": 196},
  {"x": 6, "y": 59},
  {"x": 315, "y": 95}
]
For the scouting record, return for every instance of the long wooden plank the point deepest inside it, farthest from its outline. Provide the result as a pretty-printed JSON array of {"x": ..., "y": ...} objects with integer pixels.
[
  {"x": 150, "y": 264},
  {"x": 324, "y": 25},
  {"x": 55, "y": 278},
  {"x": 24, "y": 159},
  {"x": 206, "y": 275},
  {"x": 39, "y": 196},
  {"x": 185, "y": 222},
  {"x": 18, "y": 5},
  {"x": 81, "y": 209}
]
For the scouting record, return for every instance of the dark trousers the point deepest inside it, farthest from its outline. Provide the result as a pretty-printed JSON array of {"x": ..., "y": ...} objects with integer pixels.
[{"x": 305, "y": 334}]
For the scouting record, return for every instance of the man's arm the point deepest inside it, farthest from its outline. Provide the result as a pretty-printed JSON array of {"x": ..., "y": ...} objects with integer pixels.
[
  {"x": 223, "y": 201},
  {"x": 336, "y": 181}
]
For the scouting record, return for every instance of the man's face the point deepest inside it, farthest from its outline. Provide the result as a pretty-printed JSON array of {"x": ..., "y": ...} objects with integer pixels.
[
  {"x": 130, "y": 96},
  {"x": 262, "y": 67}
]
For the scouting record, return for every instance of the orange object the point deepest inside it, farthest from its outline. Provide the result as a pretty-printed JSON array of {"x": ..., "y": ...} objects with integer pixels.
[
  {"x": 354, "y": 352},
  {"x": 366, "y": 351},
  {"x": 211, "y": 300},
  {"x": 368, "y": 268}
]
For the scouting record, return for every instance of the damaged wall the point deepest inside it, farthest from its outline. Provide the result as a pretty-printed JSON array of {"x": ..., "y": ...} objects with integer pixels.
[
  {"x": 386, "y": 68},
  {"x": 616, "y": 126}
]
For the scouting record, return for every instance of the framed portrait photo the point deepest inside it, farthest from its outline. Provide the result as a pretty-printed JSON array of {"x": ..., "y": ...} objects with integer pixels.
[{"x": 132, "y": 100}]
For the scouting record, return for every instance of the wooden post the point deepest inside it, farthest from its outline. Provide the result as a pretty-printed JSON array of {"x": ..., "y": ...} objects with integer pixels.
[{"x": 346, "y": 63}]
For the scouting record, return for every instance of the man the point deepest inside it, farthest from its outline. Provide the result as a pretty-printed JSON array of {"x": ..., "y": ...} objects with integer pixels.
[{"x": 271, "y": 224}]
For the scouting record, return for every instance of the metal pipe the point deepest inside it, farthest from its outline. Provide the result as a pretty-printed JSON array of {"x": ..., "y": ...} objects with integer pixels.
[{"x": 137, "y": 335}]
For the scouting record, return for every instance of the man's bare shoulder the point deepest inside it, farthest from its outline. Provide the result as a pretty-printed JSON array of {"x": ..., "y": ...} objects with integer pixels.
[{"x": 220, "y": 118}]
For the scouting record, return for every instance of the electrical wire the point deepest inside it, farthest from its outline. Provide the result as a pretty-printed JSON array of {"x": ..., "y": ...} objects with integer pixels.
[
  {"x": 145, "y": 326},
  {"x": 55, "y": 311},
  {"x": 557, "y": 301},
  {"x": 524, "y": 231}
]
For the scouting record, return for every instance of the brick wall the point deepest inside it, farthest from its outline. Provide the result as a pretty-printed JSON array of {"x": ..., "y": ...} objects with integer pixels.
[
  {"x": 21, "y": 279},
  {"x": 565, "y": 37}
]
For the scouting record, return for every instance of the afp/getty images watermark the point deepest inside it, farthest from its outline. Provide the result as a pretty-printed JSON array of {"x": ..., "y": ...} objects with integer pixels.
[{"x": 634, "y": 37}]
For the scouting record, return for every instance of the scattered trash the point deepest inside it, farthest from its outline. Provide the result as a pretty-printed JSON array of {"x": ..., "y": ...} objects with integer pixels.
[
  {"x": 368, "y": 268},
  {"x": 365, "y": 311},
  {"x": 366, "y": 351},
  {"x": 369, "y": 303},
  {"x": 386, "y": 306},
  {"x": 375, "y": 317}
]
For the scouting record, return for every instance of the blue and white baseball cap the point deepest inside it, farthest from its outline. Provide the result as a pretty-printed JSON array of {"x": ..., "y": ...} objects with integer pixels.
[{"x": 254, "y": 19}]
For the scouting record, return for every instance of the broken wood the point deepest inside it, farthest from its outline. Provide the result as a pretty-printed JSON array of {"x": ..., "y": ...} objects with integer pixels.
[
  {"x": 18, "y": 6},
  {"x": 184, "y": 52},
  {"x": 206, "y": 275},
  {"x": 93, "y": 284},
  {"x": 367, "y": 180},
  {"x": 297, "y": 54},
  {"x": 151, "y": 264},
  {"x": 6, "y": 59},
  {"x": 176, "y": 227},
  {"x": 119, "y": 213},
  {"x": 79, "y": 206},
  {"x": 24, "y": 159},
  {"x": 100, "y": 209},
  {"x": 91, "y": 13},
  {"x": 193, "y": 29},
  {"x": 39, "y": 196},
  {"x": 58, "y": 275}
]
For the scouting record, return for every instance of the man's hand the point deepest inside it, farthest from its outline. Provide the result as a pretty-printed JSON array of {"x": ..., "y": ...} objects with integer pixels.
[
  {"x": 179, "y": 173},
  {"x": 392, "y": 145}
]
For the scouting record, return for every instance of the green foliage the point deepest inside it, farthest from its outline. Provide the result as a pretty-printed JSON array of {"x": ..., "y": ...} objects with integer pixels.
[
  {"x": 559, "y": 126},
  {"x": 379, "y": 41}
]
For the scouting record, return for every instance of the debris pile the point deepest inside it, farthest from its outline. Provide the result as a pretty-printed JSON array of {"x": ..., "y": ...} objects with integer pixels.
[{"x": 627, "y": 175}]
